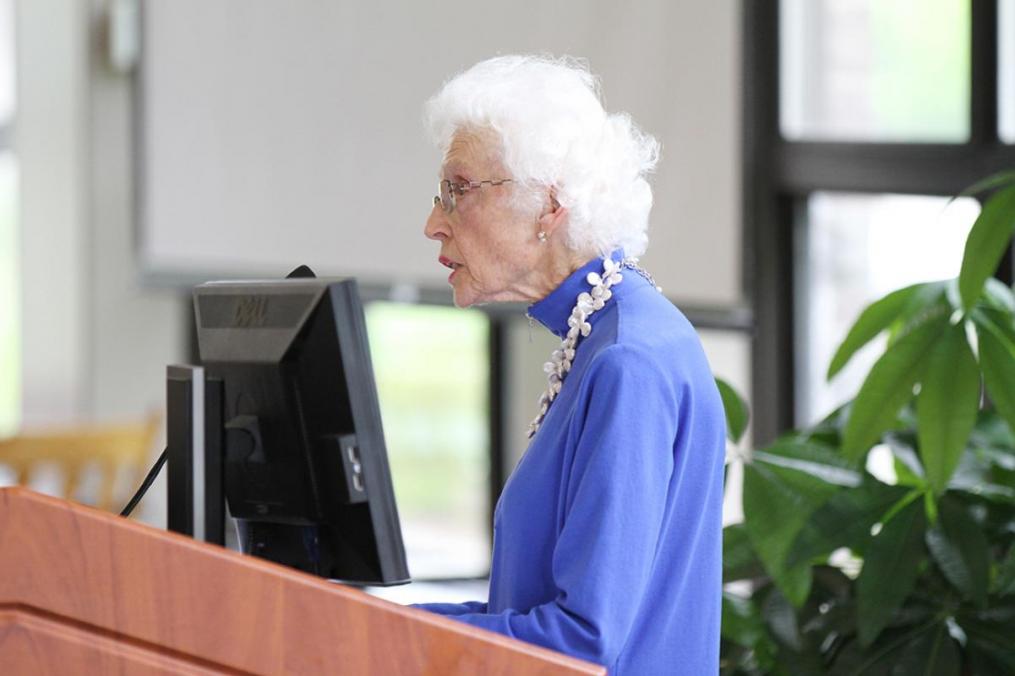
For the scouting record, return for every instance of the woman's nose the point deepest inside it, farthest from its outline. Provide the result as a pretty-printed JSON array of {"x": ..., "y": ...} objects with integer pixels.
[{"x": 436, "y": 223}]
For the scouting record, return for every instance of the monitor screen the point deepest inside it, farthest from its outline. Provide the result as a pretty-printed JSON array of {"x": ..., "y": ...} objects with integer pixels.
[{"x": 305, "y": 465}]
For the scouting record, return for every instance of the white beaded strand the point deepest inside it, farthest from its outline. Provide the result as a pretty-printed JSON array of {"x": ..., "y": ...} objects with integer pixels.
[
  {"x": 578, "y": 326},
  {"x": 588, "y": 303}
]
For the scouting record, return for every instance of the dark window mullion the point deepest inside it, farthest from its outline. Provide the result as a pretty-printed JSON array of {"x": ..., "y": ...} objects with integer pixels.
[
  {"x": 498, "y": 341},
  {"x": 772, "y": 357},
  {"x": 760, "y": 123},
  {"x": 983, "y": 76},
  {"x": 767, "y": 227},
  {"x": 1006, "y": 268},
  {"x": 983, "y": 116},
  {"x": 927, "y": 169}
]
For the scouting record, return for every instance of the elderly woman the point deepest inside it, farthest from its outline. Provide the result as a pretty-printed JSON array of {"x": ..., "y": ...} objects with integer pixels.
[{"x": 608, "y": 535}]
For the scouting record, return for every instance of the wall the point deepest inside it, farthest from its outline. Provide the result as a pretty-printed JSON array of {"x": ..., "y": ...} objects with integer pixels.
[
  {"x": 95, "y": 337},
  {"x": 285, "y": 133},
  {"x": 51, "y": 144}
]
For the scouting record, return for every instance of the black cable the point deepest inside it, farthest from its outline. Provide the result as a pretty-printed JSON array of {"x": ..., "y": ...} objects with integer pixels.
[{"x": 146, "y": 484}]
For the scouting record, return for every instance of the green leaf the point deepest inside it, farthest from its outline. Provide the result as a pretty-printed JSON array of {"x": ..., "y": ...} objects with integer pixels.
[
  {"x": 952, "y": 294},
  {"x": 815, "y": 460},
  {"x": 990, "y": 658},
  {"x": 889, "y": 571},
  {"x": 741, "y": 621},
  {"x": 908, "y": 468},
  {"x": 737, "y": 413},
  {"x": 930, "y": 507},
  {"x": 905, "y": 476},
  {"x": 1000, "y": 295},
  {"x": 889, "y": 386},
  {"x": 777, "y": 502},
  {"x": 999, "y": 459},
  {"x": 1002, "y": 320},
  {"x": 829, "y": 430},
  {"x": 986, "y": 244},
  {"x": 881, "y": 658},
  {"x": 872, "y": 321},
  {"x": 986, "y": 471},
  {"x": 989, "y": 640},
  {"x": 795, "y": 584},
  {"x": 998, "y": 180},
  {"x": 989, "y": 491},
  {"x": 946, "y": 406},
  {"x": 782, "y": 485},
  {"x": 844, "y": 521},
  {"x": 997, "y": 359},
  {"x": 1004, "y": 581},
  {"x": 960, "y": 549},
  {"x": 933, "y": 652},
  {"x": 903, "y": 502},
  {"x": 739, "y": 561},
  {"x": 993, "y": 433},
  {"x": 812, "y": 468},
  {"x": 780, "y": 617},
  {"x": 932, "y": 299}
]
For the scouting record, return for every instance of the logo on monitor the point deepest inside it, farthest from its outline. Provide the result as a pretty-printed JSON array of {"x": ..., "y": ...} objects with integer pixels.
[{"x": 251, "y": 311}]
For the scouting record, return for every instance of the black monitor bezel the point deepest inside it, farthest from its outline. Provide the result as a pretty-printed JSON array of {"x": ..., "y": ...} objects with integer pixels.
[{"x": 228, "y": 344}]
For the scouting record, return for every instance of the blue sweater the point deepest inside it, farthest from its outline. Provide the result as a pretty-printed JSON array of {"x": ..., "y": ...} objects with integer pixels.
[{"x": 608, "y": 535}]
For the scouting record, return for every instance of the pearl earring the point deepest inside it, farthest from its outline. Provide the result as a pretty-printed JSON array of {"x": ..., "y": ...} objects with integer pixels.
[{"x": 542, "y": 237}]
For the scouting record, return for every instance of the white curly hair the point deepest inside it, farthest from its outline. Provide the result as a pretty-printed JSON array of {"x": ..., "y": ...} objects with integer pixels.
[{"x": 548, "y": 115}]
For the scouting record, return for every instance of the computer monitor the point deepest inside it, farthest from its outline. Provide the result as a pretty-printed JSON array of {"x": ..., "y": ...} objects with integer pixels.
[{"x": 305, "y": 466}]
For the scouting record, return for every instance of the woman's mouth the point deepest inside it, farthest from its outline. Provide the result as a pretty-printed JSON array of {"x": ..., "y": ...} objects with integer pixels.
[{"x": 448, "y": 263}]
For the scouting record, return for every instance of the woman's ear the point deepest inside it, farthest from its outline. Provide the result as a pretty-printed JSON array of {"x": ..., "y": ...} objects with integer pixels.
[{"x": 554, "y": 215}]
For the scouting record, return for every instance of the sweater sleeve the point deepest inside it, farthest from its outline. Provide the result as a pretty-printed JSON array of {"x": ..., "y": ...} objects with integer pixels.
[
  {"x": 452, "y": 609},
  {"x": 614, "y": 501}
]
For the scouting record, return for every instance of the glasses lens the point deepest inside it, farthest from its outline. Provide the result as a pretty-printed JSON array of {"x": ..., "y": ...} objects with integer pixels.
[{"x": 447, "y": 196}]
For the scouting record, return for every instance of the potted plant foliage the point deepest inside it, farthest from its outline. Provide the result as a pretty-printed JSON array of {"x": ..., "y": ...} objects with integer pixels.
[{"x": 924, "y": 581}]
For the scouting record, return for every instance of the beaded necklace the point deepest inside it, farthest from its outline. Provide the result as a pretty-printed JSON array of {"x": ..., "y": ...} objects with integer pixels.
[{"x": 587, "y": 304}]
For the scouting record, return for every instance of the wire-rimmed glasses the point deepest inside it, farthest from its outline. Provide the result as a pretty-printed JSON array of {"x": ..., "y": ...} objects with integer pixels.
[{"x": 447, "y": 191}]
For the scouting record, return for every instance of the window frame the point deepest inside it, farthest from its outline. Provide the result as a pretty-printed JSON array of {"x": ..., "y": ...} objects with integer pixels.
[{"x": 778, "y": 175}]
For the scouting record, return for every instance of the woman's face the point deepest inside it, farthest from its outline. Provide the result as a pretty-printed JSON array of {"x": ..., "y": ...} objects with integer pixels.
[{"x": 489, "y": 243}]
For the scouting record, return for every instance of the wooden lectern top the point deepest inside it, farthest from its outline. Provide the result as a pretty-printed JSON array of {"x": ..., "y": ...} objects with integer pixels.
[{"x": 84, "y": 591}]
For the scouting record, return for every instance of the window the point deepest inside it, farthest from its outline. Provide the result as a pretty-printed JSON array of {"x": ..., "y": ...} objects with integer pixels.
[
  {"x": 1006, "y": 70},
  {"x": 433, "y": 378},
  {"x": 852, "y": 250},
  {"x": 860, "y": 118},
  {"x": 868, "y": 70}
]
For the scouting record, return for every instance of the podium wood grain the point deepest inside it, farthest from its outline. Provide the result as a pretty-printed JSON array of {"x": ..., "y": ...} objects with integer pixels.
[{"x": 84, "y": 591}]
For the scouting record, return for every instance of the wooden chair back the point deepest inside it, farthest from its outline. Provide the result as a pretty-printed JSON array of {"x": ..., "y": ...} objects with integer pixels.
[{"x": 113, "y": 448}]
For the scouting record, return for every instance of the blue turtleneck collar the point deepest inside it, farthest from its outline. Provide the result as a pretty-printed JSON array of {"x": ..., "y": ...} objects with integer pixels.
[{"x": 554, "y": 310}]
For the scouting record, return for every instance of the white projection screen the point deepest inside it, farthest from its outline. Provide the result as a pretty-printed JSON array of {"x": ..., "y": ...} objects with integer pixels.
[{"x": 278, "y": 133}]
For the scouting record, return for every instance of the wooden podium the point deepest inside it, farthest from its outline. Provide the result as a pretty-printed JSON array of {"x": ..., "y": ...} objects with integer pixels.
[{"x": 83, "y": 591}]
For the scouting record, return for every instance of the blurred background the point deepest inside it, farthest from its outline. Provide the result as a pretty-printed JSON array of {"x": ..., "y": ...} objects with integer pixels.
[{"x": 809, "y": 151}]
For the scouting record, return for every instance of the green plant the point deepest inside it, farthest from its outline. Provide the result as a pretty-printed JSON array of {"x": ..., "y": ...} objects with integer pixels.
[{"x": 924, "y": 574}]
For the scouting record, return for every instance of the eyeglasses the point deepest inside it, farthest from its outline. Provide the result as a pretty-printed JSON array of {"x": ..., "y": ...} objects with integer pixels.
[{"x": 448, "y": 191}]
